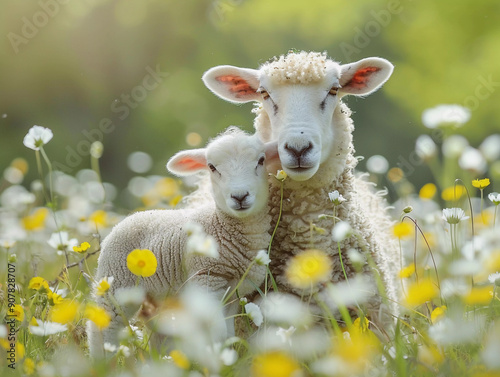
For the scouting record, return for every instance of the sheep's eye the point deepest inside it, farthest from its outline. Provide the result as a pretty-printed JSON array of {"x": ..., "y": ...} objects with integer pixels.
[
  {"x": 333, "y": 91},
  {"x": 211, "y": 167},
  {"x": 261, "y": 161},
  {"x": 265, "y": 94}
]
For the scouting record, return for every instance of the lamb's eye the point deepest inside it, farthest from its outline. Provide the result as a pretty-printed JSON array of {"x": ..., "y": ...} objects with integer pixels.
[
  {"x": 265, "y": 94},
  {"x": 211, "y": 167},
  {"x": 261, "y": 161},
  {"x": 333, "y": 91}
]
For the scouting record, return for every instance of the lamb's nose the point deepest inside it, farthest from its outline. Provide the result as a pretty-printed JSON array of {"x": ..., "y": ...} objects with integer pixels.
[
  {"x": 240, "y": 198},
  {"x": 298, "y": 151}
]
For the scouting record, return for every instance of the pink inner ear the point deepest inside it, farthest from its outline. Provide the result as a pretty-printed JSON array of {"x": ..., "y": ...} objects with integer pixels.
[
  {"x": 361, "y": 77},
  {"x": 237, "y": 85},
  {"x": 187, "y": 163}
]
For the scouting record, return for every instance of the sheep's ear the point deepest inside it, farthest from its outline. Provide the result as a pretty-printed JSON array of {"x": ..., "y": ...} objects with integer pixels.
[
  {"x": 233, "y": 84},
  {"x": 364, "y": 76},
  {"x": 273, "y": 163},
  {"x": 188, "y": 162},
  {"x": 271, "y": 150}
]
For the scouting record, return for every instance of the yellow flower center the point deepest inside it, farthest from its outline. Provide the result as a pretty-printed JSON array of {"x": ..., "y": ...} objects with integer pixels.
[{"x": 141, "y": 263}]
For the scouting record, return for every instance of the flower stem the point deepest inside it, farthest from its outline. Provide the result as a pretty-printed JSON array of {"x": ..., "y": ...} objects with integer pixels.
[
  {"x": 278, "y": 221},
  {"x": 342, "y": 262},
  {"x": 239, "y": 282},
  {"x": 274, "y": 233},
  {"x": 49, "y": 165},
  {"x": 40, "y": 171}
]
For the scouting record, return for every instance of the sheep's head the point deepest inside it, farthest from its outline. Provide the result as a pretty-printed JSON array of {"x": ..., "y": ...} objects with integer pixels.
[
  {"x": 299, "y": 93},
  {"x": 235, "y": 161}
]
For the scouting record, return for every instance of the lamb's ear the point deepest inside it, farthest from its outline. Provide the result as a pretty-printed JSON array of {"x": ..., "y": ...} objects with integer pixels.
[
  {"x": 271, "y": 150},
  {"x": 188, "y": 162},
  {"x": 232, "y": 83},
  {"x": 273, "y": 163},
  {"x": 364, "y": 76}
]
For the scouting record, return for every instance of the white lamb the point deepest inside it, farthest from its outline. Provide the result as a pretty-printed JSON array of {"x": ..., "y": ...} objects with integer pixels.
[
  {"x": 238, "y": 221},
  {"x": 299, "y": 106}
]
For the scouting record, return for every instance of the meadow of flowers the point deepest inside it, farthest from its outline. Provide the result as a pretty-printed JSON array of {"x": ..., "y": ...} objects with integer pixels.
[{"x": 448, "y": 231}]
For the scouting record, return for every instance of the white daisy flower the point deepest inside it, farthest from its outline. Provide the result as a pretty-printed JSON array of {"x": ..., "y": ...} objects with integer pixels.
[
  {"x": 254, "y": 313},
  {"x": 454, "y": 215},
  {"x": 341, "y": 231},
  {"x": 47, "y": 328},
  {"x": 494, "y": 278},
  {"x": 494, "y": 197},
  {"x": 286, "y": 335},
  {"x": 110, "y": 347},
  {"x": 425, "y": 147},
  {"x": 61, "y": 242},
  {"x": 336, "y": 198},
  {"x": 37, "y": 137},
  {"x": 445, "y": 115},
  {"x": 262, "y": 258}
]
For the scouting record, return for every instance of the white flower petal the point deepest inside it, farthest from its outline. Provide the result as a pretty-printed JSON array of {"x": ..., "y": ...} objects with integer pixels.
[
  {"x": 37, "y": 136},
  {"x": 254, "y": 313}
]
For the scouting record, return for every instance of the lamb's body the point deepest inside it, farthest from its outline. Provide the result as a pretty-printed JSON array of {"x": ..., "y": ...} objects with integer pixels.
[
  {"x": 301, "y": 108},
  {"x": 163, "y": 232},
  {"x": 237, "y": 219}
]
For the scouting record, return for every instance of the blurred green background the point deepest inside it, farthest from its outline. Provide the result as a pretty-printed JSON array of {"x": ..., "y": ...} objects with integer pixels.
[{"x": 83, "y": 69}]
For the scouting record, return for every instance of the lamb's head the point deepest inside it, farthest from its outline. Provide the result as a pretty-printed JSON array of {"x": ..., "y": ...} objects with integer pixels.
[
  {"x": 235, "y": 161},
  {"x": 299, "y": 93}
]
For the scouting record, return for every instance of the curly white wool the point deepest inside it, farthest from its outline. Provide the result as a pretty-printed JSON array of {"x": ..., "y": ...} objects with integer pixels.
[{"x": 296, "y": 68}]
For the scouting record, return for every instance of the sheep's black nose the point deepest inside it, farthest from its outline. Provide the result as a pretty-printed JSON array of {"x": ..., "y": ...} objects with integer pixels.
[
  {"x": 240, "y": 198},
  {"x": 297, "y": 151}
]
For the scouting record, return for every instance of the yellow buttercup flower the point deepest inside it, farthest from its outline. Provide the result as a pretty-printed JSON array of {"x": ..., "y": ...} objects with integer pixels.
[
  {"x": 38, "y": 283},
  {"x": 421, "y": 292},
  {"x": 438, "y": 313},
  {"x": 402, "y": 230},
  {"x": 54, "y": 298},
  {"x": 427, "y": 191},
  {"x": 142, "y": 262},
  {"x": 274, "y": 364},
  {"x": 175, "y": 200},
  {"x": 479, "y": 296},
  {"x": 36, "y": 220},
  {"x": 453, "y": 193},
  {"x": 481, "y": 183},
  {"x": 308, "y": 269},
  {"x": 82, "y": 248},
  {"x": 99, "y": 218},
  {"x": 180, "y": 359},
  {"x": 20, "y": 164},
  {"x": 281, "y": 175},
  {"x": 407, "y": 271},
  {"x": 65, "y": 312},
  {"x": 430, "y": 355},
  {"x": 29, "y": 366},
  {"x": 17, "y": 312},
  {"x": 357, "y": 348},
  {"x": 97, "y": 315},
  {"x": 103, "y": 285}
]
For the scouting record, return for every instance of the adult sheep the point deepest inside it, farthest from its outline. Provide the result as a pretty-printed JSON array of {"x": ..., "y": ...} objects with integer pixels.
[
  {"x": 300, "y": 106},
  {"x": 238, "y": 220}
]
